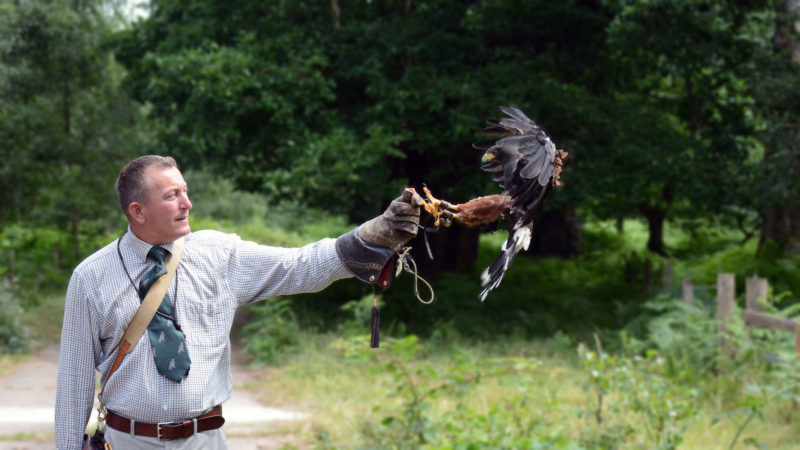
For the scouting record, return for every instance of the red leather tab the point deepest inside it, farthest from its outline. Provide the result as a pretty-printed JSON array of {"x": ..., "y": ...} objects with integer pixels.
[{"x": 385, "y": 278}]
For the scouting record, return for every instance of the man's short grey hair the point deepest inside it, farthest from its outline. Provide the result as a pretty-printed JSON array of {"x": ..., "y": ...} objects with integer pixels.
[{"x": 132, "y": 184}]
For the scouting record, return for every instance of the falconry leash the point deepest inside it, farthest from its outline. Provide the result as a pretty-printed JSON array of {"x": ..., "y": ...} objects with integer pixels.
[{"x": 404, "y": 263}]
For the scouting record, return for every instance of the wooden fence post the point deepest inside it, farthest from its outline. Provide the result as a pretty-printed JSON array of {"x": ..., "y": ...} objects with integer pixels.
[
  {"x": 726, "y": 293},
  {"x": 797, "y": 340},
  {"x": 687, "y": 291},
  {"x": 756, "y": 293},
  {"x": 666, "y": 278}
]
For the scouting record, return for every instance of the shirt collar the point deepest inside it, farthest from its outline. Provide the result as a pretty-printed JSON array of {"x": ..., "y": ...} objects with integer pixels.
[{"x": 139, "y": 247}]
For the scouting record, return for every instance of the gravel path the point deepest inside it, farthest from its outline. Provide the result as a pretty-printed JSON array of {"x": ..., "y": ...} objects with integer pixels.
[{"x": 27, "y": 397}]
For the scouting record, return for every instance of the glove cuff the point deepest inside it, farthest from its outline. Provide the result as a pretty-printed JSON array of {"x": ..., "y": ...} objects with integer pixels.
[{"x": 364, "y": 260}]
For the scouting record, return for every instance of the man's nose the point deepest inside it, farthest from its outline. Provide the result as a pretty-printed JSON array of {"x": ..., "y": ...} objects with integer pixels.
[{"x": 185, "y": 202}]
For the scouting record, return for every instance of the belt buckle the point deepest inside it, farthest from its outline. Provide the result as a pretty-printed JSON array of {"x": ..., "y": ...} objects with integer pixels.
[
  {"x": 174, "y": 424},
  {"x": 158, "y": 429}
]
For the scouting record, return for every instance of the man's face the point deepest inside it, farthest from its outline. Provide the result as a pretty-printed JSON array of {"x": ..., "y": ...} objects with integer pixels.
[{"x": 166, "y": 212}]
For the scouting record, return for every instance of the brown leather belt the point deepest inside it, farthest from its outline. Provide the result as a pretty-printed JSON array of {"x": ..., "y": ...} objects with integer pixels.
[{"x": 168, "y": 431}]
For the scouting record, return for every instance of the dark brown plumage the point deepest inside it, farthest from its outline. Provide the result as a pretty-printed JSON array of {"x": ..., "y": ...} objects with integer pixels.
[{"x": 526, "y": 164}]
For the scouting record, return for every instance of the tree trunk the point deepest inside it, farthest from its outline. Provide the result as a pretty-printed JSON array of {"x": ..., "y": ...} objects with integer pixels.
[
  {"x": 336, "y": 14},
  {"x": 655, "y": 222},
  {"x": 454, "y": 249},
  {"x": 557, "y": 233},
  {"x": 782, "y": 223},
  {"x": 76, "y": 243}
]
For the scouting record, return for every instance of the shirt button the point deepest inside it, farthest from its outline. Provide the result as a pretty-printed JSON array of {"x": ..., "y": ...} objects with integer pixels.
[{"x": 165, "y": 407}]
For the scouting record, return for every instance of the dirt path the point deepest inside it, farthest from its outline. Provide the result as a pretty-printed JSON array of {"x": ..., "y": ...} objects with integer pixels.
[{"x": 27, "y": 398}]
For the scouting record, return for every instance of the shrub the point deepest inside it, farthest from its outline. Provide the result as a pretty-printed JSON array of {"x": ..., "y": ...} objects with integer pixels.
[
  {"x": 409, "y": 418},
  {"x": 13, "y": 337},
  {"x": 632, "y": 383},
  {"x": 272, "y": 332}
]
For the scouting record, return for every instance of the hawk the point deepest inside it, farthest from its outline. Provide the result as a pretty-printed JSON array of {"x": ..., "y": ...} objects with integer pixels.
[{"x": 526, "y": 164}]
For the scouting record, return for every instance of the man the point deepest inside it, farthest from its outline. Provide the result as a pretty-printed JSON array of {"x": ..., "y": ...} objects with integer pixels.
[{"x": 216, "y": 274}]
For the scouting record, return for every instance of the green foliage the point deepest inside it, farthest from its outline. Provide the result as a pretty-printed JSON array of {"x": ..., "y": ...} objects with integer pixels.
[
  {"x": 752, "y": 406},
  {"x": 508, "y": 425},
  {"x": 782, "y": 269},
  {"x": 640, "y": 385},
  {"x": 218, "y": 205},
  {"x": 13, "y": 337},
  {"x": 41, "y": 257},
  {"x": 272, "y": 333},
  {"x": 409, "y": 418},
  {"x": 755, "y": 371},
  {"x": 359, "y": 314},
  {"x": 236, "y": 100},
  {"x": 685, "y": 335},
  {"x": 66, "y": 127},
  {"x": 214, "y": 197},
  {"x": 538, "y": 297}
]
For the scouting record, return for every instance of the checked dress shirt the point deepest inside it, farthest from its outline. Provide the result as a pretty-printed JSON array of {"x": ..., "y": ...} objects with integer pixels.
[{"x": 217, "y": 274}]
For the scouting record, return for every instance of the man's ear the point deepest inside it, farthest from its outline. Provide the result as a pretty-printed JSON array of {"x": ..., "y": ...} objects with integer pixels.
[{"x": 136, "y": 212}]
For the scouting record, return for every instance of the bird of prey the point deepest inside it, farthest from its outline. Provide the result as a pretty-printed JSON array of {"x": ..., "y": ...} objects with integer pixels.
[{"x": 526, "y": 164}]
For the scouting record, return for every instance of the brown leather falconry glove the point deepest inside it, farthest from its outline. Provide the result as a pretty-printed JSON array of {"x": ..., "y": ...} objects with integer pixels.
[
  {"x": 397, "y": 225},
  {"x": 366, "y": 250}
]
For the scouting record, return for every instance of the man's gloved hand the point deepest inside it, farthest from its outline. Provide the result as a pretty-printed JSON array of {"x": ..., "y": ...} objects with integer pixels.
[
  {"x": 397, "y": 225},
  {"x": 367, "y": 250}
]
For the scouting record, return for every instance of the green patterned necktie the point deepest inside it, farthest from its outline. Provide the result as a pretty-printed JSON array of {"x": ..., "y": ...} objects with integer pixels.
[{"x": 169, "y": 344}]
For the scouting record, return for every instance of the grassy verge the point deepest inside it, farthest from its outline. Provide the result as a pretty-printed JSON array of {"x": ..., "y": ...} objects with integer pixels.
[
  {"x": 352, "y": 391},
  {"x": 8, "y": 362},
  {"x": 508, "y": 394}
]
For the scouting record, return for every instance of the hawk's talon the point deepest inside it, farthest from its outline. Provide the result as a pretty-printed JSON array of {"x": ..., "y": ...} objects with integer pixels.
[{"x": 441, "y": 210}]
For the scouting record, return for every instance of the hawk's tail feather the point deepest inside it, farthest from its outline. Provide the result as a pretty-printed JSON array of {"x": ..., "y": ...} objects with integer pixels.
[{"x": 519, "y": 239}]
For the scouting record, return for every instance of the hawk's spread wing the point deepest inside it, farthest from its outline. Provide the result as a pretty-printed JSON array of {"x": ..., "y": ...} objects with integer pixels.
[{"x": 526, "y": 163}]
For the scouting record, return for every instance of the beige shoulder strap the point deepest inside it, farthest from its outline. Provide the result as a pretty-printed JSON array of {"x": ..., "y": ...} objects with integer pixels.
[
  {"x": 147, "y": 309},
  {"x": 152, "y": 300}
]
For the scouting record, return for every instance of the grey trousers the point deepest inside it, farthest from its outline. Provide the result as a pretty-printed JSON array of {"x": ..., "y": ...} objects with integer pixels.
[{"x": 207, "y": 440}]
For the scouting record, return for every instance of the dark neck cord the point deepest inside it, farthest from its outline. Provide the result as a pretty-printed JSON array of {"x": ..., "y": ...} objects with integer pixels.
[{"x": 135, "y": 289}]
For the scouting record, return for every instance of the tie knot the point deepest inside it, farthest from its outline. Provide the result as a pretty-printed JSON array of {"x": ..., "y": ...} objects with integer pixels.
[{"x": 157, "y": 253}]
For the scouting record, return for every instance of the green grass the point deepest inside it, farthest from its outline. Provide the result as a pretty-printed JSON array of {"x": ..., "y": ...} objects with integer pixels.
[
  {"x": 9, "y": 361},
  {"x": 340, "y": 383},
  {"x": 15, "y": 438},
  {"x": 349, "y": 393}
]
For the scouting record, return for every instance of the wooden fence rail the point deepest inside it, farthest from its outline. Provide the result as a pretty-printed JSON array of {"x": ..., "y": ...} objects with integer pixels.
[{"x": 754, "y": 314}]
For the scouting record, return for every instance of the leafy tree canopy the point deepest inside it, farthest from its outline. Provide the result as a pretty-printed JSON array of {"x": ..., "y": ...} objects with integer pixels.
[
  {"x": 66, "y": 128},
  {"x": 659, "y": 103}
]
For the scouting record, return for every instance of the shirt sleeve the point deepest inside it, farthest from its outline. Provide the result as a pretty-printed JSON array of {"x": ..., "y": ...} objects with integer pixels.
[
  {"x": 76, "y": 373},
  {"x": 256, "y": 272}
]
